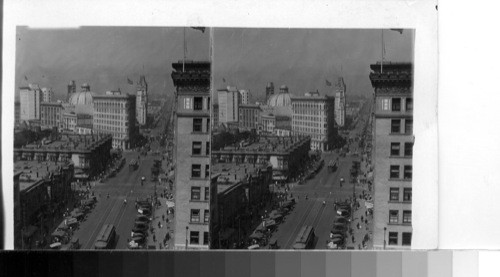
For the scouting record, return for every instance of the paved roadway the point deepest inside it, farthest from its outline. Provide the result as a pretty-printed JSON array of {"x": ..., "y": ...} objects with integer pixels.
[
  {"x": 325, "y": 186},
  {"x": 125, "y": 185}
]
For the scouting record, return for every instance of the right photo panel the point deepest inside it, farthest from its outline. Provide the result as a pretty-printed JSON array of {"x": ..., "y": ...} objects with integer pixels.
[{"x": 311, "y": 139}]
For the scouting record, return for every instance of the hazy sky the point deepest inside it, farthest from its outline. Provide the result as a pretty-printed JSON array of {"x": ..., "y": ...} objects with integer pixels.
[
  {"x": 104, "y": 57},
  {"x": 304, "y": 58}
]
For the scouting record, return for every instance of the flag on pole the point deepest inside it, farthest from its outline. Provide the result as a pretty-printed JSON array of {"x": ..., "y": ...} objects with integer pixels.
[
  {"x": 25, "y": 78},
  {"x": 223, "y": 80},
  {"x": 400, "y": 31},
  {"x": 202, "y": 29},
  {"x": 328, "y": 83},
  {"x": 129, "y": 81}
]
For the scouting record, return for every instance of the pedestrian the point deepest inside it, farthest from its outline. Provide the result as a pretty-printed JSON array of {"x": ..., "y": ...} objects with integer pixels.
[
  {"x": 159, "y": 224},
  {"x": 154, "y": 237},
  {"x": 163, "y": 217}
]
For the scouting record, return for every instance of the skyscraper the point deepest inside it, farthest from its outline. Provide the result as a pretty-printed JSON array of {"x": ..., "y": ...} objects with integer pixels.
[
  {"x": 47, "y": 95},
  {"x": 229, "y": 101},
  {"x": 340, "y": 102},
  {"x": 142, "y": 101},
  {"x": 71, "y": 89},
  {"x": 245, "y": 96},
  {"x": 392, "y": 154},
  {"x": 30, "y": 98},
  {"x": 192, "y": 154}
]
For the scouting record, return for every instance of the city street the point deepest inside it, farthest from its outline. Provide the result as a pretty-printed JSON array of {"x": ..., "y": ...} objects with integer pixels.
[{"x": 324, "y": 186}]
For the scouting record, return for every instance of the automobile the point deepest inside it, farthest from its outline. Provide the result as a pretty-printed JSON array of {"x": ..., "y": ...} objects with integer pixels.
[
  {"x": 343, "y": 213},
  {"x": 144, "y": 211},
  {"x": 140, "y": 239},
  {"x": 342, "y": 220},
  {"x": 337, "y": 233},
  {"x": 339, "y": 228},
  {"x": 140, "y": 227},
  {"x": 139, "y": 233},
  {"x": 142, "y": 220}
]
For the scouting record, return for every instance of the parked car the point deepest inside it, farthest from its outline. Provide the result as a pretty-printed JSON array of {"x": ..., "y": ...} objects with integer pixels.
[
  {"x": 140, "y": 227},
  {"x": 342, "y": 220}
]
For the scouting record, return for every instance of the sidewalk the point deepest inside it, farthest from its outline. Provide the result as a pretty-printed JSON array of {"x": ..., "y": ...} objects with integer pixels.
[{"x": 160, "y": 227}]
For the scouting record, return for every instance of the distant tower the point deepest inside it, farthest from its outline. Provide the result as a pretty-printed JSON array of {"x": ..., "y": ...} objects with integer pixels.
[
  {"x": 142, "y": 101},
  {"x": 85, "y": 87},
  {"x": 71, "y": 89},
  {"x": 269, "y": 90},
  {"x": 340, "y": 102}
]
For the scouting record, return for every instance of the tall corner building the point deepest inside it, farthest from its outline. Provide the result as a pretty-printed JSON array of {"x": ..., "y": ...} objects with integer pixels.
[
  {"x": 142, "y": 101},
  {"x": 192, "y": 154},
  {"x": 340, "y": 102},
  {"x": 392, "y": 154}
]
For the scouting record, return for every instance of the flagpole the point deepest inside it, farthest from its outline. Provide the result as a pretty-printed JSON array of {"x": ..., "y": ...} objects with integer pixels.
[
  {"x": 382, "y": 53},
  {"x": 184, "y": 59}
]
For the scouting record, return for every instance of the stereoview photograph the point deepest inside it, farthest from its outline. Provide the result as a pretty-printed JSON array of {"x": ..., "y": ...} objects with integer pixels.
[{"x": 311, "y": 139}]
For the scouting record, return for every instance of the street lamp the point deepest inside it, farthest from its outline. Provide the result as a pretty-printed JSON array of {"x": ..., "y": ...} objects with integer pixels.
[
  {"x": 187, "y": 228},
  {"x": 385, "y": 229}
]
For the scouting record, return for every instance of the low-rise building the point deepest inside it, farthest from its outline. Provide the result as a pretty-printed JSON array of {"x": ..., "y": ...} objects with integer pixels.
[
  {"x": 51, "y": 114},
  {"x": 89, "y": 153},
  {"x": 249, "y": 116}
]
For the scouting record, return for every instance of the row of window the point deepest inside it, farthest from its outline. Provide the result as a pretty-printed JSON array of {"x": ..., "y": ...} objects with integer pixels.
[
  {"x": 197, "y": 148},
  {"x": 196, "y": 193},
  {"x": 396, "y": 149},
  {"x": 121, "y": 116},
  {"x": 196, "y": 171},
  {"x": 99, "y": 105},
  {"x": 196, "y": 216},
  {"x": 198, "y": 125},
  {"x": 194, "y": 237},
  {"x": 394, "y": 194},
  {"x": 396, "y": 104},
  {"x": 195, "y": 103},
  {"x": 394, "y": 172},
  {"x": 309, "y": 123},
  {"x": 394, "y": 240},
  {"x": 394, "y": 216},
  {"x": 111, "y": 122},
  {"x": 396, "y": 126}
]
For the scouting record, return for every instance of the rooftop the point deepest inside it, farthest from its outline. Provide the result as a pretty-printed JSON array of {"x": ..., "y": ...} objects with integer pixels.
[
  {"x": 69, "y": 142},
  {"x": 34, "y": 171},
  {"x": 274, "y": 144},
  {"x": 232, "y": 173}
]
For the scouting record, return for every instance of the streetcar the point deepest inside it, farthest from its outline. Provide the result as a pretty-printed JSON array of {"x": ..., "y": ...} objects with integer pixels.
[
  {"x": 305, "y": 238},
  {"x": 106, "y": 238}
]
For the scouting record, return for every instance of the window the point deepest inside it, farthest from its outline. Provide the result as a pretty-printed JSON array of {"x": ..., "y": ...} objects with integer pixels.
[
  {"x": 196, "y": 147},
  {"x": 197, "y": 123},
  {"x": 187, "y": 103},
  {"x": 207, "y": 148},
  {"x": 206, "y": 216},
  {"x": 195, "y": 193},
  {"x": 393, "y": 238},
  {"x": 407, "y": 195},
  {"x": 395, "y": 148},
  {"x": 394, "y": 174},
  {"x": 408, "y": 149},
  {"x": 385, "y": 104},
  {"x": 409, "y": 126},
  {"x": 198, "y": 103},
  {"x": 195, "y": 215},
  {"x": 394, "y": 194},
  {"x": 194, "y": 237},
  {"x": 208, "y": 125},
  {"x": 207, "y": 194},
  {"x": 409, "y": 107},
  {"x": 406, "y": 216},
  {"x": 396, "y": 104},
  {"x": 393, "y": 216},
  {"x": 205, "y": 238},
  {"x": 196, "y": 170},
  {"x": 407, "y": 172},
  {"x": 396, "y": 126},
  {"x": 406, "y": 238},
  {"x": 207, "y": 171}
]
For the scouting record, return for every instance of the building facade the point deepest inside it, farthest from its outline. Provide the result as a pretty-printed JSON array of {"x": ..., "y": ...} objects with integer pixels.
[
  {"x": 114, "y": 113},
  {"x": 249, "y": 116},
  {"x": 340, "y": 104},
  {"x": 142, "y": 101},
  {"x": 229, "y": 100},
  {"x": 47, "y": 95},
  {"x": 51, "y": 114},
  {"x": 392, "y": 154},
  {"x": 30, "y": 98},
  {"x": 245, "y": 96},
  {"x": 269, "y": 91},
  {"x": 192, "y": 154},
  {"x": 314, "y": 116},
  {"x": 215, "y": 115}
]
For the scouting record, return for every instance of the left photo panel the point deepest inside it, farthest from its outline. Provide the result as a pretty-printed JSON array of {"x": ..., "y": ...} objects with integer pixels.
[{"x": 112, "y": 138}]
